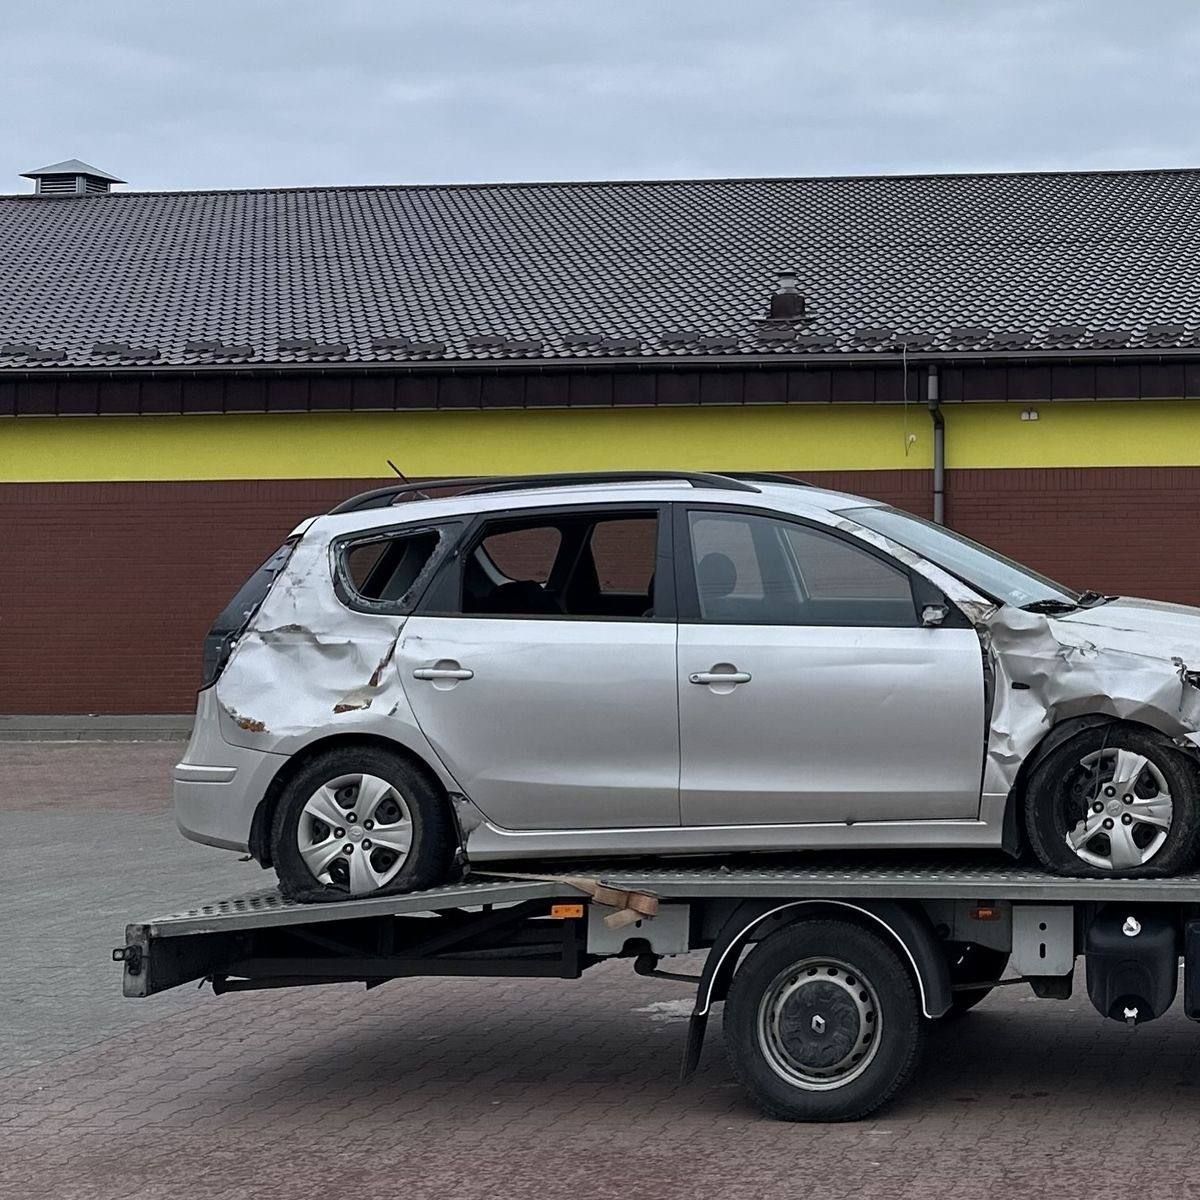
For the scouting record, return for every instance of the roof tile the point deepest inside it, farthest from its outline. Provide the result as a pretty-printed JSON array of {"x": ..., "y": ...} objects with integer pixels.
[{"x": 580, "y": 270}]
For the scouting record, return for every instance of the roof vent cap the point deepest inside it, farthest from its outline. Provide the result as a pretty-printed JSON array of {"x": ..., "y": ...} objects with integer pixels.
[
  {"x": 787, "y": 301},
  {"x": 71, "y": 178}
]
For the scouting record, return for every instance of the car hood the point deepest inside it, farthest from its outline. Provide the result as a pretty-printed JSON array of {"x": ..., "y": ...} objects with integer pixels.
[{"x": 1150, "y": 627}]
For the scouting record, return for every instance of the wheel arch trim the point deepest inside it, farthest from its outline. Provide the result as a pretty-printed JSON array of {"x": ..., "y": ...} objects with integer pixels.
[
  {"x": 260, "y": 825},
  {"x": 911, "y": 934}
]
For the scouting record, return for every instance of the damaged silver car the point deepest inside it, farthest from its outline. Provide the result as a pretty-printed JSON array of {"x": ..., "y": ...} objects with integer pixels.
[{"x": 677, "y": 663}]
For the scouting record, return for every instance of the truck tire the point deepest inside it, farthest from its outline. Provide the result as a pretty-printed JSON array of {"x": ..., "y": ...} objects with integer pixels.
[
  {"x": 822, "y": 1022},
  {"x": 360, "y": 821},
  {"x": 1114, "y": 801}
]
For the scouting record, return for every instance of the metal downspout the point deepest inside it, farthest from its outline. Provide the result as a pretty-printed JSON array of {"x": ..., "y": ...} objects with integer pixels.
[{"x": 939, "y": 448}]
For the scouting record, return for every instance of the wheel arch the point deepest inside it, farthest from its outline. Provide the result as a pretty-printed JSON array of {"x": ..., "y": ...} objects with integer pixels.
[
  {"x": 1054, "y": 737},
  {"x": 907, "y": 930},
  {"x": 260, "y": 826}
]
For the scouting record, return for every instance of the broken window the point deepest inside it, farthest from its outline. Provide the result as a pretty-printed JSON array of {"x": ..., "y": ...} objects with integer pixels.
[
  {"x": 384, "y": 569},
  {"x": 576, "y": 564}
]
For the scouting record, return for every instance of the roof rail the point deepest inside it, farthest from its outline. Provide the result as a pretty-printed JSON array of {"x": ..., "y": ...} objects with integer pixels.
[
  {"x": 768, "y": 477},
  {"x": 477, "y": 484}
]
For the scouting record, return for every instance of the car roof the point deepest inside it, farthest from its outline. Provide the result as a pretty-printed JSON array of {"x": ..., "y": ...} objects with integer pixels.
[{"x": 791, "y": 497}]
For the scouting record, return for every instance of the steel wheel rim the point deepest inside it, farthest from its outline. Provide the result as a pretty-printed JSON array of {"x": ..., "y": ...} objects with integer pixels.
[
  {"x": 1128, "y": 810},
  {"x": 819, "y": 1024},
  {"x": 355, "y": 833}
]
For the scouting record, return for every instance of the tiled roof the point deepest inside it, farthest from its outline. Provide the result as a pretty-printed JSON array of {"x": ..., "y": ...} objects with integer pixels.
[{"x": 1011, "y": 263}]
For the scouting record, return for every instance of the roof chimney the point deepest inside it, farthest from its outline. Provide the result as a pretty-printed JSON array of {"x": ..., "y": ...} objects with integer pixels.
[
  {"x": 787, "y": 301},
  {"x": 71, "y": 178}
]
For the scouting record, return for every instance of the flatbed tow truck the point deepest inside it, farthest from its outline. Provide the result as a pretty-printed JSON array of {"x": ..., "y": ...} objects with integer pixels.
[{"x": 829, "y": 968}]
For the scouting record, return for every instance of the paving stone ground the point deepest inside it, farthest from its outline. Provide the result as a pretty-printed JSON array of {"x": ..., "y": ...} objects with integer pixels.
[{"x": 484, "y": 1089}]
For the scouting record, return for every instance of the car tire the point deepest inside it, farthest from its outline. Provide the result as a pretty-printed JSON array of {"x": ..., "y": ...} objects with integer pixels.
[
  {"x": 325, "y": 848},
  {"x": 853, "y": 983},
  {"x": 1114, "y": 801}
]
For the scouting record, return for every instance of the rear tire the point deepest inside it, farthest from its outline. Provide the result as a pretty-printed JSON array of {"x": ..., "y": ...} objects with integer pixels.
[
  {"x": 360, "y": 821},
  {"x": 822, "y": 1022},
  {"x": 1114, "y": 801}
]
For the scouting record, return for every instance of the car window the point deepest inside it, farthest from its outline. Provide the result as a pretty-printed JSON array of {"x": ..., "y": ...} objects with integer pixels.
[
  {"x": 623, "y": 552},
  {"x": 385, "y": 568},
  {"x": 574, "y": 564},
  {"x": 995, "y": 575},
  {"x": 831, "y": 569},
  {"x": 527, "y": 553},
  {"x": 731, "y": 537},
  {"x": 751, "y": 569}
]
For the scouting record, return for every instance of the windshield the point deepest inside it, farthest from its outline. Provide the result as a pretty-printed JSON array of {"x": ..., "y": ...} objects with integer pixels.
[{"x": 991, "y": 573}]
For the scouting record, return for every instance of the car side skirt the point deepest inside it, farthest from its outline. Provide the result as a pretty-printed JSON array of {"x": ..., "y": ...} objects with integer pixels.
[{"x": 488, "y": 842}]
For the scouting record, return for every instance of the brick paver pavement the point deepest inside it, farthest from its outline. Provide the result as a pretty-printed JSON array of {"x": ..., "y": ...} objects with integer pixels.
[{"x": 489, "y": 1088}]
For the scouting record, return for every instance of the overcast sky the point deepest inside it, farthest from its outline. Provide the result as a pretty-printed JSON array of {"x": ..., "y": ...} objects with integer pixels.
[{"x": 258, "y": 93}]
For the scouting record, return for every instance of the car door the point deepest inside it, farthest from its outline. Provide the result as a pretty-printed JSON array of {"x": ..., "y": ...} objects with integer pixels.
[
  {"x": 541, "y": 667},
  {"x": 809, "y": 690}
]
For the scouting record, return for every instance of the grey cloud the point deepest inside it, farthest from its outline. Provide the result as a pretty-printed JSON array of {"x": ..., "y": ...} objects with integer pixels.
[{"x": 225, "y": 94}]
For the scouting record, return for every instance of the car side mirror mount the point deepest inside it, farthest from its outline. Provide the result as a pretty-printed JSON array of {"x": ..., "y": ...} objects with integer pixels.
[
  {"x": 932, "y": 615},
  {"x": 930, "y": 602}
]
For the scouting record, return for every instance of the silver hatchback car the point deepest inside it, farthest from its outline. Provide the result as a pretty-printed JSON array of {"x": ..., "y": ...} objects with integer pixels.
[{"x": 677, "y": 663}]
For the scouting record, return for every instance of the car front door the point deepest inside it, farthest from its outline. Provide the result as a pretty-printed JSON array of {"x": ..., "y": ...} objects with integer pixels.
[
  {"x": 541, "y": 667},
  {"x": 809, "y": 690}
]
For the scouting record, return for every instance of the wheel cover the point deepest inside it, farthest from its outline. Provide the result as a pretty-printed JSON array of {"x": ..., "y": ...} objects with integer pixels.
[
  {"x": 1119, "y": 809},
  {"x": 355, "y": 833},
  {"x": 819, "y": 1024}
]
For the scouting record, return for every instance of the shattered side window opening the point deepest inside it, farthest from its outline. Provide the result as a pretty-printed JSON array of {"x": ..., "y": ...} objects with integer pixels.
[
  {"x": 1002, "y": 578},
  {"x": 383, "y": 571}
]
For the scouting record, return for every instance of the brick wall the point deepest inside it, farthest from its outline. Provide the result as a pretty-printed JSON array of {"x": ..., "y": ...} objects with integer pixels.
[{"x": 110, "y": 588}]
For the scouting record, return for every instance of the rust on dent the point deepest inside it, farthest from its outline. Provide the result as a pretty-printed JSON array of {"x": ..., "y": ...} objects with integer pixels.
[{"x": 249, "y": 724}]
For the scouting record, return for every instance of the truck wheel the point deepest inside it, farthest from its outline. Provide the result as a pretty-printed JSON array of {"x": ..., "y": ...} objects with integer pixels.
[
  {"x": 970, "y": 963},
  {"x": 1114, "y": 801},
  {"x": 822, "y": 1022},
  {"x": 360, "y": 821}
]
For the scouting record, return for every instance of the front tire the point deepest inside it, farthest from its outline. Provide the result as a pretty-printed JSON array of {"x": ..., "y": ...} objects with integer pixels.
[
  {"x": 360, "y": 821},
  {"x": 1114, "y": 801},
  {"x": 822, "y": 1022}
]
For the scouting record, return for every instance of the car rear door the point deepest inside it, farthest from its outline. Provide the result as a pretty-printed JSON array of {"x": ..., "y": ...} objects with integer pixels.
[
  {"x": 541, "y": 667},
  {"x": 808, "y": 689}
]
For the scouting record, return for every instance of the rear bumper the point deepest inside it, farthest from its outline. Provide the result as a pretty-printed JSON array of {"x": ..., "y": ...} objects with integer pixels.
[{"x": 216, "y": 787}]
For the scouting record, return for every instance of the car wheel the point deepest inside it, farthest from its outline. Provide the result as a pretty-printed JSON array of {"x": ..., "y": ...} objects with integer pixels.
[
  {"x": 972, "y": 963},
  {"x": 822, "y": 1022},
  {"x": 1114, "y": 801},
  {"x": 360, "y": 821}
]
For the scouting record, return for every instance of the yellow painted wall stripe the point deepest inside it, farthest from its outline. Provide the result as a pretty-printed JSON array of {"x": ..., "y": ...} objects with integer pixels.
[{"x": 799, "y": 438}]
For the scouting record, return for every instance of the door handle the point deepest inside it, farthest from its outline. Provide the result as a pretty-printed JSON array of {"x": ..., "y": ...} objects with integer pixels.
[
  {"x": 703, "y": 677},
  {"x": 433, "y": 673}
]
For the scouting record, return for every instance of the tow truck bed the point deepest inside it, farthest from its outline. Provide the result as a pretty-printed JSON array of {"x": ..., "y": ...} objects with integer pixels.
[{"x": 951, "y": 926}]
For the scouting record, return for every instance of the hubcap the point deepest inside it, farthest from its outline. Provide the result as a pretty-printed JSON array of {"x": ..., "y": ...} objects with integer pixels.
[
  {"x": 1122, "y": 808},
  {"x": 332, "y": 833},
  {"x": 819, "y": 1024}
]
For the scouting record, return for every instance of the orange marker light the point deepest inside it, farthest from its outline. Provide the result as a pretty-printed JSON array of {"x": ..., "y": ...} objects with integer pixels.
[
  {"x": 566, "y": 912},
  {"x": 984, "y": 914}
]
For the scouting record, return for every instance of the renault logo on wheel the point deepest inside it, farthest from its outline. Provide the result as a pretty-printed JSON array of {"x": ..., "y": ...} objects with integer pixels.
[{"x": 818, "y": 1023}]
